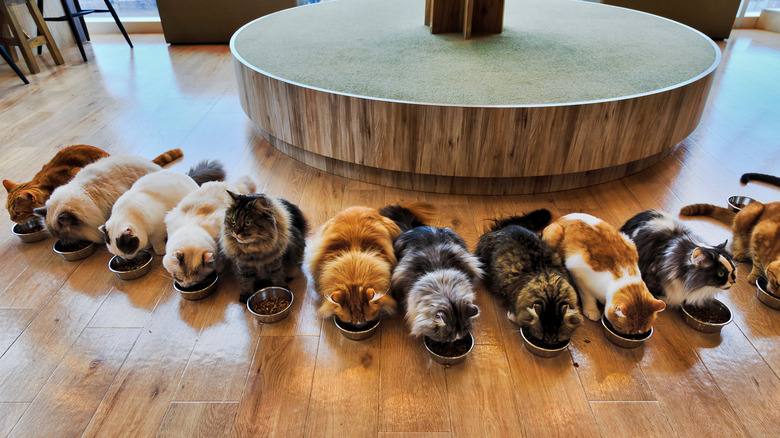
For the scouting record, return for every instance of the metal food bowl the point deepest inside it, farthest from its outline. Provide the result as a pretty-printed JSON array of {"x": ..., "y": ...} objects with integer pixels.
[
  {"x": 20, "y": 230},
  {"x": 623, "y": 340},
  {"x": 357, "y": 333},
  {"x": 723, "y": 312},
  {"x": 200, "y": 290},
  {"x": 444, "y": 360},
  {"x": 269, "y": 293},
  {"x": 78, "y": 254},
  {"x": 737, "y": 203},
  {"x": 134, "y": 273},
  {"x": 766, "y": 297},
  {"x": 542, "y": 351}
]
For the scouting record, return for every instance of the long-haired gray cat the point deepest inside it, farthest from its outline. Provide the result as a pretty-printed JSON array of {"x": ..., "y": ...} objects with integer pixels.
[
  {"x": 434, "y": 278},
  {"x": 530, "y": 277}
]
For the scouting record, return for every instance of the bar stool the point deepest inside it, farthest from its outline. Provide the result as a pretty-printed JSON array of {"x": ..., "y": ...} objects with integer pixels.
[
  {"x": 70, "y": 16},
  {"x": 13, "y": 65},
  {"x": 19, "y": 37}
]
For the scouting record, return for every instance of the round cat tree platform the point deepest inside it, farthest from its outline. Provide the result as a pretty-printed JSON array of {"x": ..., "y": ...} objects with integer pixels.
[{"x": 568, "y": 95}]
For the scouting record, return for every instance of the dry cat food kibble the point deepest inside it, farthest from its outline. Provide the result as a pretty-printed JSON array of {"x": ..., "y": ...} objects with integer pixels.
[
  {"x": 450, "y": 349},
  {"x": 30, "y": 227},
  {"x": 136, "y": 262},
  {"x": 540, "y": 343},
  {"x": 72, "y": 246},
  {"x": 270, "y": 306},
  {"x": 705, "y": 314}
]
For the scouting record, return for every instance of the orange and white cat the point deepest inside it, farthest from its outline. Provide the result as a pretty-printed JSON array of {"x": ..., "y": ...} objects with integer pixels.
[
  {"x": 350, "y": 261},
  {"x": 605, "y": 266}
]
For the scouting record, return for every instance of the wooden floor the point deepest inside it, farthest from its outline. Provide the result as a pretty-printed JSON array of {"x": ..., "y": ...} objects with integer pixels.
[{"x": 85, "y": 354}]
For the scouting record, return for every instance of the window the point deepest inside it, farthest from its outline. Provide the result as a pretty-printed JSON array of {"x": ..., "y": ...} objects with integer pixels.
[{"x": 126, "y": 8}]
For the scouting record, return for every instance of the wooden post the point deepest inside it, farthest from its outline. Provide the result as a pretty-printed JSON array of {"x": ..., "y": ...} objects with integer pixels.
[{"x": 467, "y": 16}]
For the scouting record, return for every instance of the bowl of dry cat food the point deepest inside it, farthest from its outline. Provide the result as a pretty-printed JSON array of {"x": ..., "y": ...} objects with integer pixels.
[
  {"x": 73, "y": 251},
  {"x": 766, "y": 297},
  {"x": 623, "y": 340},
  {"x": 541, "y": 348},
  {"x": 737, "y": 203},
  {"x": 357, "y": 332},
  {"x": 710, "y": 317},
  {"x": 30, "y": 231},
  {"x": 199, "y": 290},
  {"x": 270, "y": 304},
  {"x": 130, "y": 269},
  {"x": 449, "y": 353}
]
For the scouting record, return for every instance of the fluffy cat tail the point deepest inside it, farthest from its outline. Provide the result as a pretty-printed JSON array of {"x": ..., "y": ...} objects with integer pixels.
[
  {"x": 534, "y": 221},
  {"x": 718, "y": 213},
  {"x": 168, "y": 157},
  {"x": 207, "y": 170},
  {"x": 409, "y": 215},
  {"x": 760, "y": 177},
  {"x": 245, "y": 185}
]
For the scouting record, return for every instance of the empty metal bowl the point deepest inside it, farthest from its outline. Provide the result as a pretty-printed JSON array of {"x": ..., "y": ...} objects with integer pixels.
[
  {"x": 737, "y": 203},
  {"x": 357, "y": 333},
  {"x": 765, "y": 296},
  {"x": 84, "y": 250},
  {"x": 723, "y": 312},
  {"x": 29, "y": 232},
  {"x": 200, "y": 290},
  {"x": 625, "y": 341},
  {"x": 446, "y": 360},
  {"x": 540, "y": 350},
  {"x": 270, "y": 293},
  {"x": 145, "y": 264}
]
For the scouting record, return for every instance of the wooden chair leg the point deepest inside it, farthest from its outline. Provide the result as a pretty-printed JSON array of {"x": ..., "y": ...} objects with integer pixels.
[
  {"x": 13, "y": 65},
  {"x": 21, "y": 39},
  {"x": 44, "y": 28},
  {"x": 118, "y": 22}
]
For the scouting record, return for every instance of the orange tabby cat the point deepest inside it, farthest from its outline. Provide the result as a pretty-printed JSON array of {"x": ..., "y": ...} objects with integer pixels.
[
  {"x": 605, "y": 266},
  {"x": 756, "y": 230},
  {"x": 25, "y": 197},
  {"x": 350, "y": 261}
]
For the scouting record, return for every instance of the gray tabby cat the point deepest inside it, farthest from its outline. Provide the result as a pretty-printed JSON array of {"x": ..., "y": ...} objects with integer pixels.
[
  {"x": 265, "y": 238},
  {"x": 530, "y": 277},
  {"x": 434, "y": 278}
]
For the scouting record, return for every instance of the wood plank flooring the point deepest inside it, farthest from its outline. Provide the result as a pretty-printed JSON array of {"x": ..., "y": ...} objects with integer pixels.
[{"x": 85, "y": 354}]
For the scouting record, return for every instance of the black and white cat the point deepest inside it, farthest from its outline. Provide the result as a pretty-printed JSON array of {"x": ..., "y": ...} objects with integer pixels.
[
  {"x": 676, "y": 266},
  {"x": 434, "y": 278}
]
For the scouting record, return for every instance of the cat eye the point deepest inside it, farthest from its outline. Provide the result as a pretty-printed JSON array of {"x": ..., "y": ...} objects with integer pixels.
[
  {"x": 721, "y": 274},
  {"x": 247, "y": 223},
  {"x": 232, "y": 221}
]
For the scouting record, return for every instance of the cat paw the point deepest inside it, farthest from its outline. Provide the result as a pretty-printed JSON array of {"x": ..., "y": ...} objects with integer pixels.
[
  {"x": 512, "y": 317},
  {"x": 751, "y": 278},
  {"x": 160, "y": 251},
  {"x": 593, "y": 315}
]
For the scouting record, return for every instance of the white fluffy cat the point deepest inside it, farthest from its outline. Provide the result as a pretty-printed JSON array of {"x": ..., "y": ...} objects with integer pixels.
[
  {"x": 137, "y": 219},
  {"x": 194, "y": 227},
  {"x": 76, "y": 210}
]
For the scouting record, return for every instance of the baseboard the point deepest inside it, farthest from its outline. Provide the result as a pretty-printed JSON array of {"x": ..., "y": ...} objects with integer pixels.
[{"x": 132, "y": 25}]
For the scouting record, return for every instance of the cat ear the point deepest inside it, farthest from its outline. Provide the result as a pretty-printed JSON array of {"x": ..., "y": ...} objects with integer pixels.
[
  {"x": 27, "y": 195},
  {"x": 533, "y": 312},
  {"x": 658, "y": 305},
  {"x": 208, "y": 257},
  {"x": 538, "y": 309},
  {"x": 619, "y": 311},
  {"x": 40, "y": 211},
  {"x": 233, "y": 195},
  {"x": 127, "y": 231},
  {"x": 337, "y": 297},
  {"x": 471, "y": 311},
  {"x": 8, "y": 185},
  {"x": 699, "y": 258},
  {"x": 565, "y": 309},
  {"x": 178, "y": 255},
  {"x": 723, "y": 245},
  {"x": 66, "y": 219},
  {"x": 439, "y": 319},
  {"x": 369, "y": 293},
  {"x": 262, "y": 200},
  {"x": 102, "y": 229}
]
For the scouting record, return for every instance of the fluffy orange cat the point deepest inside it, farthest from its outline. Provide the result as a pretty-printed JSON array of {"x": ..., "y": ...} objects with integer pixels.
[
  {"x": 350, "y": 260},
  {"x": 605, "y": 266},
  {"x": 756, "y": 230}
]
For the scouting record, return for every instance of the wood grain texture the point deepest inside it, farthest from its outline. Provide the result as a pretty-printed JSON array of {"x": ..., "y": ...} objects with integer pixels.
[
  {"x": 39, "y": 274},
  {"x": 12, "y": 323},
  {"x": 620, "y": 419},
  {"x": 9, "y": 416},
  {"x": 197, "y": 420},
  {"x": 131, "y": 303}
]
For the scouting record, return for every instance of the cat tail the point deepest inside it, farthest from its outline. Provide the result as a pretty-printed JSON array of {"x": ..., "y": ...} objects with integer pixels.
[
  {"x": 207, "y": 170},
  {"x": 720, "y": 214},
  {"x": 409, "y": 215},
  {"x": 534, "y": 221},
  {"x": 168, "y": 157},
  {"x": 245, "y": 185},
  {"x": 760, "y": 177}
]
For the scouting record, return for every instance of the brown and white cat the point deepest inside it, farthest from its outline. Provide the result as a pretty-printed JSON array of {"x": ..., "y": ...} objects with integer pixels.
[
  {"x": 23, "y": 198},
  {"x": 350, "y": 261},
  {"x": 756, "y": 230},
  {"x": 604, "y": 265}
]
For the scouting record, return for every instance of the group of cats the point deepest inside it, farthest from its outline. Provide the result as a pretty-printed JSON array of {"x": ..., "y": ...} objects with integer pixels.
[{"x": 364, "y": 261}]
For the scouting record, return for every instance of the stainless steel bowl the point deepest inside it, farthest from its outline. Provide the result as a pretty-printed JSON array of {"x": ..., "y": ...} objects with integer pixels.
[
  {"x": 200, "y": 290},
  {"x": 444, "y": 360},
  {"x": 135, "y": 273},
  {"x": 709, "y": 327},
  {"x": 364, "y": 332},
  {"x": 765, "y": 296},
  {"x": 622, "y": 340},
  {"x": 266, "y": 293},
  {"x": 542, "y": 351},
  {"x": 78, "y": 254},
  {"x": 29, "y": 237},
  {"x": 737, "y": 203}
]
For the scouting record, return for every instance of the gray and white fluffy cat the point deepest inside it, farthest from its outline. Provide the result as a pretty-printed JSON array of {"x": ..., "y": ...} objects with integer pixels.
[
  {"x": 265, "y": 238},
  {"x": 530, "y": 277},
  {"x": 675, "y": 264},
  {"x": 434, "y": 278}
]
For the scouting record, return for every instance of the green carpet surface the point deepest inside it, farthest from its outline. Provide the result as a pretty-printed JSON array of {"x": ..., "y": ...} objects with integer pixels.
[{"x": 550, "y": 52}]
